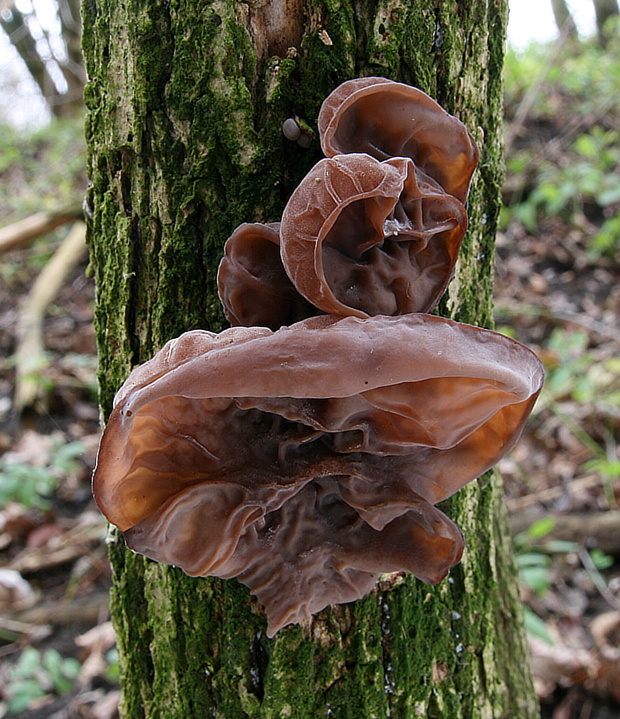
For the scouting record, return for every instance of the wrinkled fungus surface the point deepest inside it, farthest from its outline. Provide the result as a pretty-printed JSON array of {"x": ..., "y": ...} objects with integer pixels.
[
  {"x": 389, "y": 119},
  {"x": 252, "y": 284},
  {"x": 362, "y": 237},
  {"x": 304, "y": 449},
  {"x": 307, "y": 461}
]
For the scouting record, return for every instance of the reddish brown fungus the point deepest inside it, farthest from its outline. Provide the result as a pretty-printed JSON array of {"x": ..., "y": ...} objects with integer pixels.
[
  {"x": 252, "y": 284},
  {"x": 307, "y": 461},
  {"x": 362, "y": 237},
  {"x": 375, "y": 230},
  {"x": 389, "y": 119}
]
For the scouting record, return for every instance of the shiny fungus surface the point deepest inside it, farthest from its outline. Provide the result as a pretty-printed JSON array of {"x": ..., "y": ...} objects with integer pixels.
[
  {"x": 252, "y": 284},
  {"x": 362, "y": 237},
  {"x": 307, "y": 461},
  {"x": 386, "y": 119}
]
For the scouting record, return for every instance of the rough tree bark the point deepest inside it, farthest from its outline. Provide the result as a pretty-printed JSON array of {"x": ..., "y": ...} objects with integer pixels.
[{"x": 186, "y": 99}]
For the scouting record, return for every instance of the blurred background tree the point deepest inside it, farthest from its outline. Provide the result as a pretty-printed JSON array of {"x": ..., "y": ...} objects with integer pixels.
[
  {"x": 49, "y": 43},
  {"x": 603, "y": 11},
  {"x": 564, "y": 19}
]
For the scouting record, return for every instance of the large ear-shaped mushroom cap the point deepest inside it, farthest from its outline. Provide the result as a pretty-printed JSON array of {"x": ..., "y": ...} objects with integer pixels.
[
  {"x": 252, "y": 283},
  {"x": 306, "y": 461},
  {"x": 389, "y": 119},
  {"x": 362, "y": 237}
]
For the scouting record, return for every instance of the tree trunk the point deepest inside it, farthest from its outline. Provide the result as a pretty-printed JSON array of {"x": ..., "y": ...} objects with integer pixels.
[
  {"x": 564, "y": 20},
  {"x": 37, "y": 47},
  {"x": 604, "y": 9},
  {"x": 186, "y": 101}
]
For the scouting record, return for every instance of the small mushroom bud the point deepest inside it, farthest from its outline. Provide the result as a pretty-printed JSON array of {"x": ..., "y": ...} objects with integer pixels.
[
  {"x": 291, "y": 129},
  {"x": 305, "y": 140}
]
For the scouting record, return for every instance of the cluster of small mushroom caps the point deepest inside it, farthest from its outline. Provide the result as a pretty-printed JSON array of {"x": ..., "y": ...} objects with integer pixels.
[{"x": 304, "y": 449}]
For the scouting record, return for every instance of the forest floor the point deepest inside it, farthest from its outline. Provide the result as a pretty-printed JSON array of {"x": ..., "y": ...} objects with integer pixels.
[
  {"x": 57, "y": 648},
  {"x": 561, "y": 481}
]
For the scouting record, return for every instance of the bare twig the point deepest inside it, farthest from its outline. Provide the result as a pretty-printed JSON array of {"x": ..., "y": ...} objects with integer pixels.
[
  {"x": 29, "y": 350},
  {"x": 22, "y": 232},
  {"x": 608, "y": 332},
  {"x": 69, "y": 546},
  {"x": 83, "y": 609},
  {"x": 518, "y": 505},
  {"x": 598, "y": 580},
  {"x": 594, "y": 530}
]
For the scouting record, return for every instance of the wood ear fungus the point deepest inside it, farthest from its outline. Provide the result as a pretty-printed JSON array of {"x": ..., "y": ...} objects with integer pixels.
[
  {"x": 307, "y": 461},
  {"x": 306, "y": 457},
  {"x": 389, "y": 119},
  {"x": 362, "y": 237},
  {"x": 252, "y": 283},
  {"x": 376, "y": 227}
]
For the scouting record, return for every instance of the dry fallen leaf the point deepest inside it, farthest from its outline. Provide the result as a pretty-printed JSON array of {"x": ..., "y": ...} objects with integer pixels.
[
  {"x": 15, "y": 592},
  {"x": 93, "y": 645},
  {"x": 605, "y": 630},
  {"x": 558, "y": 665}
]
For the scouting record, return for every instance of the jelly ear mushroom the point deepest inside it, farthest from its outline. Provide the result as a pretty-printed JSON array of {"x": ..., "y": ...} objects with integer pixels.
[
  {"x": 362, "y": 237},
  {"x": 389, "y": 119},
  {"x": 307, "y": 461},
  {"x": 253, "y": 287}
]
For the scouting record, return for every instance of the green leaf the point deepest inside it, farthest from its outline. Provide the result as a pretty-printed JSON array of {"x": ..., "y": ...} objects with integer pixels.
[
  {"x": 28, "y": 664},
  {"x": 609, "y": 196},
  {"x": 21, "y": 694},
  {"x": 541, "y": 528},
  {"x": 600, "y": 559},
  {"x": 561, "y": 546},
  {"x": 536, "y": 578},
  {"x": 537, "y": 627},
  {"x": 533, "y": 559},
  {"x": 609, "y": 468}
]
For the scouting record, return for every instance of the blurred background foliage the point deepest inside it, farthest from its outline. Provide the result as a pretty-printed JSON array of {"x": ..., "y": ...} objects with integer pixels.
[
  {"x": 570, "y": 165},
  {"x": 42, "y": 169}
]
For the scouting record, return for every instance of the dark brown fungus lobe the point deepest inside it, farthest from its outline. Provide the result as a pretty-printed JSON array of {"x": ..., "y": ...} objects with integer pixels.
[
  {"x": 252, "y": 284},
  {"x": 362, "y": 237},
  {"x": 307, "y": 461},
  {"x": 389, "y": 119}
]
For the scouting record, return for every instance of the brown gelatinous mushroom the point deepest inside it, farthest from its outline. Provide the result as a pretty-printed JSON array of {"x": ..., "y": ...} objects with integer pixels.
[
  {"x": 307, "y": 461},
  {"x": 389, "y": 119},
  {"x": 362, "y": 237},
  {"x": 252, "y": 284}
]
